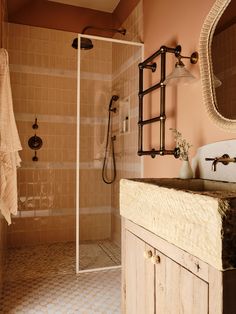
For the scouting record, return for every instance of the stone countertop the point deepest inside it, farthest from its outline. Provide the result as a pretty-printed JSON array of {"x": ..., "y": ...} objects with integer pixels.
[{"x": 198, "y": 216}]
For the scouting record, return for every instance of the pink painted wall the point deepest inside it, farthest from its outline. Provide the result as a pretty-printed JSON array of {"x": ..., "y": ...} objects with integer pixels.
[{"x": 169, "y": 23}]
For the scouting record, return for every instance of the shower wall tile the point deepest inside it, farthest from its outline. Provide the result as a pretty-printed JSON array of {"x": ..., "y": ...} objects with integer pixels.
[
  {"x": 29, "y": 231},
  {"x": 95, "y": 93},
  {"x": 98, "y": 59},
  {"x": 95, "y": 226},
  {"x": 44, "y": 94},
  {"x": 93, "y": 191},
  {"x": 42, "y": 47},
  {"x": 43, "y": 70},
  {"x": 134, "y": 25},
  {"x": 125, "y": 80},
  {"x": 58, "y": 141},
  {"x": 43, "y": 189}
]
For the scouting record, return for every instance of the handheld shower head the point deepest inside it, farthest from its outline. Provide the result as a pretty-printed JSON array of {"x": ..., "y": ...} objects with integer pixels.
[{"x": 113, "y": 98}]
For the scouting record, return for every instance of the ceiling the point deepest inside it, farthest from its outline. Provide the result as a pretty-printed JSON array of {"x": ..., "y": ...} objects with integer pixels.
[{"x": 100, "y": 5}]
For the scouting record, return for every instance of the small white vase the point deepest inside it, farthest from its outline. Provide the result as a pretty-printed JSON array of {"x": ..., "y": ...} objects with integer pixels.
[{"x": 186, "y": 171}]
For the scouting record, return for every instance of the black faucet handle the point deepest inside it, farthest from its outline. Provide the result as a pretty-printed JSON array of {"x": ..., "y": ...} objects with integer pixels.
[{"x": 35, "y": 125}]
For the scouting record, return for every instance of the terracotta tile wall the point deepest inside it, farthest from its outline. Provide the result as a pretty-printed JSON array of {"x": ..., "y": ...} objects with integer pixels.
[
  {"x": 43, "y": 69},
  {"x": 125, "y": 82},
  {"x": 106, "y": 70},
  {"x": 95, "y": 93},
  {"x": 134, "y": 25},
  {"x": 224, "y": 55}
]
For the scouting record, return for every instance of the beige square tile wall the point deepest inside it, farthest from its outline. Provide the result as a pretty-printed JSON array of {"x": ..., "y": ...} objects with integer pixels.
[
  {"x": 43, "y": 70},
  {"x": 125, "y": 80},
  {"x": 43, "y": 73},
  {"x": 107, "y": 69},
  {"x": 95, "y": 93}
]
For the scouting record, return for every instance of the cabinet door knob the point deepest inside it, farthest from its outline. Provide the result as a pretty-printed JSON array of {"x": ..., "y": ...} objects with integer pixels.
[
  {"x": 156, "y": 259},
  {"x": 147, "y": 254}
]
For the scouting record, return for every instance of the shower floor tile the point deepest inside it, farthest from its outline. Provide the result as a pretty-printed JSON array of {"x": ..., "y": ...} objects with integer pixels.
[
  {"x": 86, "y": 293},
  {"x": 42, "y": 279},
  {"x": 59, "y": 258},
  {"x": 33, "y": 261}
]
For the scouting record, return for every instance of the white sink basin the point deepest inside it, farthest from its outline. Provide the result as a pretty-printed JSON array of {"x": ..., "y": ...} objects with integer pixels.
[{"x": 197, "y": 215}]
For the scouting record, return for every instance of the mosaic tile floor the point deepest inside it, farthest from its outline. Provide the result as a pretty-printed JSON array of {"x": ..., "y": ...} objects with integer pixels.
[
  {"x": 35, "y": 283},
  {"x": 31, "y": 262},
  {"x": 57, "y": 258}
]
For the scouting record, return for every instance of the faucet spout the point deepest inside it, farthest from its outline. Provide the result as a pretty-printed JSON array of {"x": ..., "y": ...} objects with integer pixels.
[
  {"x": 215, "y": 162},
  {"x": 225, "y": 160}
]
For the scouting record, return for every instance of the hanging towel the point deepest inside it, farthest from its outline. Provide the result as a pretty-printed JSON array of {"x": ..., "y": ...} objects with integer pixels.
[{"x": 9, "y": 143}]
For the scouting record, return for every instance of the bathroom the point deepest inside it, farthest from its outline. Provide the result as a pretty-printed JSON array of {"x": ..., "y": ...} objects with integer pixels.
[{"x": 155, "y": 23}]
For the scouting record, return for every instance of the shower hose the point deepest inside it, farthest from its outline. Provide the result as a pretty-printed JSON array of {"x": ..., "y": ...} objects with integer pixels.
[{"x": 109, "y": 140}]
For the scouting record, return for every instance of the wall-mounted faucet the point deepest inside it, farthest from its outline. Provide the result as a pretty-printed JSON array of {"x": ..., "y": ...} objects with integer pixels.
[{"x": 225, "y": 160}]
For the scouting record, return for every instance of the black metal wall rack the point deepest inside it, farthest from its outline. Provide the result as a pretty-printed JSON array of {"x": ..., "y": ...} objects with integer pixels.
[{"x": 149, "y": 64}]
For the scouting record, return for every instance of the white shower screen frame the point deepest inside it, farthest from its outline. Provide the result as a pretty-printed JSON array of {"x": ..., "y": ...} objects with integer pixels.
[{"x": 141, "y": 45}]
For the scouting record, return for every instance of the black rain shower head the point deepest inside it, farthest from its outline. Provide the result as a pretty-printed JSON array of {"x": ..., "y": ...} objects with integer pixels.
[{"x": 86, "y": 43}]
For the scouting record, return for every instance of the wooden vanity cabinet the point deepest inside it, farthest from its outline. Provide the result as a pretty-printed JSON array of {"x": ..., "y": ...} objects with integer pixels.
[{"x": 158, "y": 277}]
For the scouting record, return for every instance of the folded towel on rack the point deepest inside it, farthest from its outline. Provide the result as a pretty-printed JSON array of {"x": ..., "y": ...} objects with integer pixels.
[{"x": 9, "y": 143}]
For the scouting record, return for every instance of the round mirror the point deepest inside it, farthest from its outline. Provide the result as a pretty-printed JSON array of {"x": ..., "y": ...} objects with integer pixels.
[
  {"x": 218, "y": 64},
  {"x": 223, "y": 50}
]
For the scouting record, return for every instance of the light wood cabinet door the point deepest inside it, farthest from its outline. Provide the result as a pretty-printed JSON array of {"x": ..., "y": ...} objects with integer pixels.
[
  {"x": 177, "y": 290},
  {"x": 139, "y": 277},
  {"x": 155, "y": 284}
]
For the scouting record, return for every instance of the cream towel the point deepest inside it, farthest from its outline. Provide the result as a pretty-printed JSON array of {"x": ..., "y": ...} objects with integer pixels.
[{"x": 9, "y": 143}]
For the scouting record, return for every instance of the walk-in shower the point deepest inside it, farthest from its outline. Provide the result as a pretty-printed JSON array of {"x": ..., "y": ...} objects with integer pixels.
[
  {"x": 110, "y": 149},
  {"x": 62, "y": 197}
]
